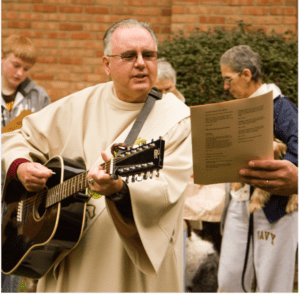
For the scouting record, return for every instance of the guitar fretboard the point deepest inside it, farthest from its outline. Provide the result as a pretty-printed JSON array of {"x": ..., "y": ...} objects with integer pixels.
[{"x": 71, "y": 186}]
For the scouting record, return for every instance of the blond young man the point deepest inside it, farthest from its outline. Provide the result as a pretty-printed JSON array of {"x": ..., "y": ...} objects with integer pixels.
[{"x": 18, "y": 91}]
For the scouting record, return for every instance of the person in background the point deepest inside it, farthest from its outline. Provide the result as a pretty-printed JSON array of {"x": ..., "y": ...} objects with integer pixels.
[
  {"x": 19, "y": 93},
  {"x": 134, "y": 242},
  {"x": 19, "y": 97},
  {"x": 166, "y": 79},
  {"x": 268, "y": 253}
]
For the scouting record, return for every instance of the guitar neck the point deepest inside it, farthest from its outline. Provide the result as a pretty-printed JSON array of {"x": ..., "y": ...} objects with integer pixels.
[
  {"x": 133, "y": 162},
  {"x": 71, "y": 186}
]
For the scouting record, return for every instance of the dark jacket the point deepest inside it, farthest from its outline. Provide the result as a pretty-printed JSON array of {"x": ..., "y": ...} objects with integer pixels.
[{"x": 286, "y": 130}]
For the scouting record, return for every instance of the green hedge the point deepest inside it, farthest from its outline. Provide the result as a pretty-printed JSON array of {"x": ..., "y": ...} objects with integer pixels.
[{"x": 196, "y": 60}]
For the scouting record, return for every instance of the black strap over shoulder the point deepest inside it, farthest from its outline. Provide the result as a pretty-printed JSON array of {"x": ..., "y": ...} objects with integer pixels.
[
  {"x": 140, "y": 120},
  {"x": 155, "y": 93}
]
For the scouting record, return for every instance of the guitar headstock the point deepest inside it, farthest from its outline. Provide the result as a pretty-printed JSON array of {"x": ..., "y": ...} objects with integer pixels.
[{"x": 138, "y": 160}]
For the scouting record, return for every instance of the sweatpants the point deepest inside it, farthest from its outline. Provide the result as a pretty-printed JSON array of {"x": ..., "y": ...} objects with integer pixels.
[{"x": 271, "y": 259}]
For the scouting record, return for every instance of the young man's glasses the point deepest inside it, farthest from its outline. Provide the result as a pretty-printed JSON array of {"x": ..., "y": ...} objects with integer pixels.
[{"x": 131, "y": 56}]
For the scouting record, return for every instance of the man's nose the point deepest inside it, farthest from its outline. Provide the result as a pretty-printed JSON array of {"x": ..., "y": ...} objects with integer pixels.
[{"x": 140, "y": 60}]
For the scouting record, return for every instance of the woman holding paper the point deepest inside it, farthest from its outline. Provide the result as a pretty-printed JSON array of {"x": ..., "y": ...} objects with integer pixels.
[{"x": 261, "y": 245}]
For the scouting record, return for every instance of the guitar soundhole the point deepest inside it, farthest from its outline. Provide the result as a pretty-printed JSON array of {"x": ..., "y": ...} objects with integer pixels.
[{"x": 40, "y": 204}]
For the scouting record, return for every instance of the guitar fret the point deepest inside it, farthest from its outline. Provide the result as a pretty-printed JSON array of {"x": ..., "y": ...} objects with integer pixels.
[
  {"x": 56, "y": 194},
  {"x": 74, "y": 185},
  {"x": 79, "y": 183},
  {"x": 63, "y": 195},
  {"x": 68, "y": 188}
]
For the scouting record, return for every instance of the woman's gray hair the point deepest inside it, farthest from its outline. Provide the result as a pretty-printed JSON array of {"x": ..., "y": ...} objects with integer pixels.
[
  {"x": 165, "y": 71},
  {"x": 128, "y": 23},
  {"x": 241, "y": 57}
]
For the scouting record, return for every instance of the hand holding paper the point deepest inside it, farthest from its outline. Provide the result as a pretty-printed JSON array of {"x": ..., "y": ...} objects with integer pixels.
[{"x": 227, "y": 135}]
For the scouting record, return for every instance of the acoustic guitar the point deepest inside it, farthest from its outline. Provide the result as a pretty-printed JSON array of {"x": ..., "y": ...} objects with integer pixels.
[{"x": 38, "y": 227}]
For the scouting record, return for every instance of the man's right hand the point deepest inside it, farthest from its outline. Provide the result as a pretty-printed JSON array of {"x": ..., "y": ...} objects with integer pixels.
[{"x": 33, "y": 175}]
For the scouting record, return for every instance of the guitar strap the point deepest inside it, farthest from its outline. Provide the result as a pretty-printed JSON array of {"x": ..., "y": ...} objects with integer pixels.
[{"x": 140, "y": 120}]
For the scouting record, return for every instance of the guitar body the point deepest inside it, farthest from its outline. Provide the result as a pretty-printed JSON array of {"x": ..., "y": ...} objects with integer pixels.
[
  {"x": 37, "y": 228},
  {"x": 33, "y": 236}
]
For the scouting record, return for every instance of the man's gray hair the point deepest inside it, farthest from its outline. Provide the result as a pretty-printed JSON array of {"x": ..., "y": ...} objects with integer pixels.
[
  {"x": 128, "y": 23},
  {"x": 165, "y": 71},
  {"x": 241, "y": 57}
]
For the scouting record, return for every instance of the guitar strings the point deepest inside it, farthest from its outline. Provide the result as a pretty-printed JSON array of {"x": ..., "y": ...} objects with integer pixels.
[
  {"x": 42, "y": 194},
  {"x": 41, "y": 198}
]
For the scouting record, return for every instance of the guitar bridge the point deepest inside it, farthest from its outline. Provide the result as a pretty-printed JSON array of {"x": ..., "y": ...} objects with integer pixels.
[{"x": 20, "y": 211}]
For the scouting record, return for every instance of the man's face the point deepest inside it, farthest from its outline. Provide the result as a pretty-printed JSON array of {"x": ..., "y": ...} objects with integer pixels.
[
  {"x": 132, "y": 80},
  {"x": 14, "y": 70},
  {"x": 234, "y": 82},
  {"x": 165, "y": 86}
]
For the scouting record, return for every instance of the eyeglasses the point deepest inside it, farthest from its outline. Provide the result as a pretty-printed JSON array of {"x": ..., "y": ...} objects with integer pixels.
[
  {"x": 228, "y": 80},
  {"x": 131, "y": 56}
]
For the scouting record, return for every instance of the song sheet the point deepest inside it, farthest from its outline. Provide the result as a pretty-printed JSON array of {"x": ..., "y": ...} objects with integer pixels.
[{"x": 226, "y": 135}]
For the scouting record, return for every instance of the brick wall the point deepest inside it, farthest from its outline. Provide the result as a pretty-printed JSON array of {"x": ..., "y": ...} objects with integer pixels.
[
  {"x": 268, "y": 15},
  {"x": 68, "y": 33}
]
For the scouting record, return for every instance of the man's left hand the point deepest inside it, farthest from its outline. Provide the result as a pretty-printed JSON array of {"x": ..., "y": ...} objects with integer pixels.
[
  {"x": 103, "y": 183},
  {"x": 279, "y": 177}
]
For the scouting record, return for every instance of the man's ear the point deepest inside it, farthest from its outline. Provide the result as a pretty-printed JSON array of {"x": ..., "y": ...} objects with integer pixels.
[
  {"x": 246, "y": 74},
  {"x": 105, "y": 62}
]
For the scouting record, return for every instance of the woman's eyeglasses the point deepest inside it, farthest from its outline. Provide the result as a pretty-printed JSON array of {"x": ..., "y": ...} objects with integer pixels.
[{"x": 228, "y": 80}]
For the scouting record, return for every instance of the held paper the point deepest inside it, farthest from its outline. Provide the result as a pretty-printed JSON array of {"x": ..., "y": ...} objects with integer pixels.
[{"x": 226, "y": 135}]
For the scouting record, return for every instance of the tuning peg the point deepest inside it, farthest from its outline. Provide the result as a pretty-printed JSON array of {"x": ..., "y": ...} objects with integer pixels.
[
  {"x": 145, "y": 176},
  {"x": 126, "y": 180},
  {"x": 132, "y": 179},
  {"x": 157, "y": 173},
  {"x": 139, "y": 178}
]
